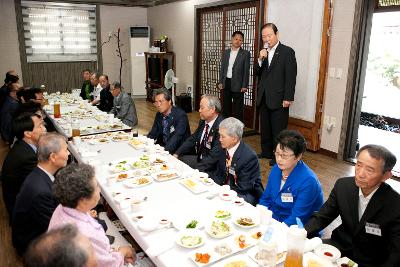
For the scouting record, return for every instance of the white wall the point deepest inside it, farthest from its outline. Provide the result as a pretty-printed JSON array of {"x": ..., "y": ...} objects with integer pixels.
[
  {"x": 9, "y": 46},
  {"x": 176, "y": 20},
  {"x": 342, "y": 27},
  {"x": 112, "y": 17}
]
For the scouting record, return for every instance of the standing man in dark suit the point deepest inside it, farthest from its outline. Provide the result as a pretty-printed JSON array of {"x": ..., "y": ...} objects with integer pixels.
[
  {"x": 369, "y": 209},
  {"x": 201, "y": 150},
  {"x": 21, "y": 159},
  {"x": 35, "y": 202},
  {"x": 276, "y": 71},
  {"x": 238, "y": 164},
  {"x": 171, "y": 125},
  {"x": 234, "y": 76},
  {"x": 87, "y": 87}
]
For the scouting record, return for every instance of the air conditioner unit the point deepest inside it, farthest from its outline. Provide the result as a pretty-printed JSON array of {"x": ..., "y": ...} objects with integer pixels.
[{"x": 139, "y": 43}]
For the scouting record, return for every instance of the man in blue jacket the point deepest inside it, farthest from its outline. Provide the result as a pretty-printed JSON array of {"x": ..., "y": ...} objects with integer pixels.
[{"x": 171, "y": 125}]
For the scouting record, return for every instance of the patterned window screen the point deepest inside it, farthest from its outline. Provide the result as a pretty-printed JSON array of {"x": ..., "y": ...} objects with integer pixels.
[
  {"x": 57, "y": 32},
  {"x": 243, "y": 19},
  {"x": 388, "y": 3},
  {"x": 217, "y": 27},
  {"x": 211, "y": 47}
]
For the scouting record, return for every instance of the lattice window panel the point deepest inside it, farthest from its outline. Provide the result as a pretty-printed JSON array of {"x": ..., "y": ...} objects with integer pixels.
[
  {"x": 388, "y": 3},
  {"x": 211, "y": 47},
  {"x": 243, "y": 20}
]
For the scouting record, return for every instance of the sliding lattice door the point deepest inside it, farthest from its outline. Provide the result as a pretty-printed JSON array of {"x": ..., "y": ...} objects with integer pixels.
[{"x": 216, "y": 26}]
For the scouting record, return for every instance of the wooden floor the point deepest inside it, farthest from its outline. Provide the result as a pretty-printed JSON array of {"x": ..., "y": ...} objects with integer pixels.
[{"x": 327, "y": 169}]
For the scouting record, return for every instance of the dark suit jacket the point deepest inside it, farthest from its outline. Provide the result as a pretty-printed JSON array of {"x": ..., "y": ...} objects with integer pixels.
[
  {"x": 278, "y": 81},
  {"x": 19, "y": 162},
  {"x": 350, "y": 237},
  {"x": 247, "y": 170},
  {"x": 124, "y": 109},
  {"x": 179, "y": 129},
  {"x": 33, "y": 209},
  {"x": 209, "y": 156},
  {"x": 106, "y": 99},
  {"x": 6, "y": 117},
  {"x": 83, "y": 93},
  {"x": 240, "y": 69}
]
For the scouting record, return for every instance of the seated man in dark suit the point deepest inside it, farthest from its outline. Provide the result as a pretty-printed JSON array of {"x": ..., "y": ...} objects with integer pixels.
[
  {"x": 8, "y": 109},
  {"x": 238, "y": 164},
  {"x": 21, "y": 159},
  {"x": 65, "y": 243},
  {"x": 171, "y": 125},
  {"x": 35, "y": 203},
  {"x": 369, "y": 210},
  {"x": 11, "y": 77},
  {"x": 201, "y": 150},
  {"x": 106, "y": 98},
  {"x": 123, "y": 106},
  {"x": 87, "y": 87}
]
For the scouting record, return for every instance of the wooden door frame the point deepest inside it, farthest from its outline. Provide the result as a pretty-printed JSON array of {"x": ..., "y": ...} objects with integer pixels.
[
  {"x": 312, "y": 130},
  {"x": 197, "y": 41}
]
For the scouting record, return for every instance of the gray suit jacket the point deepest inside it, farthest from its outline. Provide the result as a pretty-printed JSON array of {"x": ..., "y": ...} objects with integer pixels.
[
  {"x": 240, "y": 69},
  {"x": 125, "y": 110}
]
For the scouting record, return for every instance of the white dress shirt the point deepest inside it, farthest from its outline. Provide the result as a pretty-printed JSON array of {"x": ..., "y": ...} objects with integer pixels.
[
  {"x": 232, "y": 58},
  {"x": 232, "y": 150},
  {"x": 363, "y": 202},
  {"x": 51, "y": 176}
]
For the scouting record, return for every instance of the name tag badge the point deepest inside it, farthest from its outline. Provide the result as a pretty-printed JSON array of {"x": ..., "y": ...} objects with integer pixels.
[
  {"x": 172, "y": 129},
  {"x": 210, "y": 138},
  {"x": 208, "y": 145},
  {"x": 373, "y": 229},
  {"x": 232, "y": 171},
  {"x": 287, "y": 197}
]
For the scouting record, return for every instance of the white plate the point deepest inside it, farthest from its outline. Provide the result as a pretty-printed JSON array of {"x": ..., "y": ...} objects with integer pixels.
[
  {"x": 236, "y": 259},
  {"x": 325, "y": 248},
  {"x": 124, "y": 164},
  {"x": 228, "y": 195},
  {"x": 194, "y": 186},
  {"x": 182, "y": 223},
  {"x": 238, "y": 201},
  {"x": 256, "y": 221},
  {"x": 221, "y": 234},
  {"x": 191, "y": 233},
  {"x": 345, "y": 260},
  {"x": 138, "y": 181},
  {"x": 222, "y": 214},
  {"x": 165, "y": 175},
  {"x": 280, "y": 257},
  {"x": 309, "y": 256}
]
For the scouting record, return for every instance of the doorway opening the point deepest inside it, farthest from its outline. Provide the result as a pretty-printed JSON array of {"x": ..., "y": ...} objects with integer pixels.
[{"x": 376, "y": 105}]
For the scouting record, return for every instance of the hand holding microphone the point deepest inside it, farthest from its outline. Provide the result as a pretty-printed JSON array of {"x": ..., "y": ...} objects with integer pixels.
[{"x": 264, "y": 51}]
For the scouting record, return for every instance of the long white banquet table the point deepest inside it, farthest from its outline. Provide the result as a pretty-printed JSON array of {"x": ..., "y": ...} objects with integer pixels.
[
  {"x": 91, "y": 119},
  {"x": 170, "y": 201}
]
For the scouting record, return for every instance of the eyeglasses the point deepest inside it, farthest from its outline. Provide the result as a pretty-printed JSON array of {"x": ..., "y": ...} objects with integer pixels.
[{"x": 283, "y": 156}]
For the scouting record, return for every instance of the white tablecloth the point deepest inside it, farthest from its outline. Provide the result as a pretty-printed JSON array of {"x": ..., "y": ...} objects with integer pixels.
[{"x": 165, "y": 200}]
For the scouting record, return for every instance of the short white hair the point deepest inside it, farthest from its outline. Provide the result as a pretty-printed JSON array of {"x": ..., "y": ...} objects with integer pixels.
[{"x": 233, "y": 127}]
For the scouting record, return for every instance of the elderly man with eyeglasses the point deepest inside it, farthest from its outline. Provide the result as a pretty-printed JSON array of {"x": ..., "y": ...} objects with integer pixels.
[{"x": 123, "y": 106}]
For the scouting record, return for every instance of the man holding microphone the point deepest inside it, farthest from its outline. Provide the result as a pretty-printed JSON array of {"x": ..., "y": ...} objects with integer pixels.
[{"x": 276, "y": 71}]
